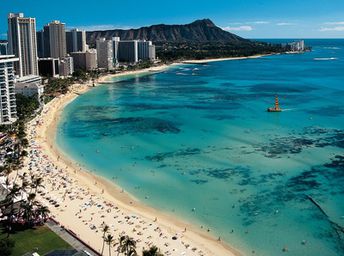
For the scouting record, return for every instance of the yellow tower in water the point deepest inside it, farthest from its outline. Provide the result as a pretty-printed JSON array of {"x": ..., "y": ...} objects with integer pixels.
[{"x": 276, "y": 108}]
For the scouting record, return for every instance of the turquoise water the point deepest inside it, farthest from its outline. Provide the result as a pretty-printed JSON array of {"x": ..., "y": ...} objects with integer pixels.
[{"x": 199, "y": 136}]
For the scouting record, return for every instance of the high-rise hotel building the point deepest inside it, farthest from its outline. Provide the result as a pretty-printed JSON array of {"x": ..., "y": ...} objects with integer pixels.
[
  {"x": 128, "y": 51},
  {"x": 105, "y": 54},
  {"x": 76, "y": 41},
  {"x": 133, "y": 51},
  {"x": 8, "y": 113},
  {"x": 51, "y": 40},
  {"x": 57, "y": 37},
  {"x": 23, "y": 44}
]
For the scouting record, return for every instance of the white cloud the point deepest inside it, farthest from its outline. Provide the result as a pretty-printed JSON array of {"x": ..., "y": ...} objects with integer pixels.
[
  {"x": 335, "y": 23},
  {"x": 337, "y": 28},
  {"x": 239, "y": 28},
  {"x": 285, "y": 24},
  {"x": 260, "y": 22},
  {"x": 249, "y": 22},
  {"x": 100, "y": 27}
]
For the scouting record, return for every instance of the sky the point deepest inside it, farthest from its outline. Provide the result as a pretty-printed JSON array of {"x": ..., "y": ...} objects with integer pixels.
[{"x": 247, "y": 18}]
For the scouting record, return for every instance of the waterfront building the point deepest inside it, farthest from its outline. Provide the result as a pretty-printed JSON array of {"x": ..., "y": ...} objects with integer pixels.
[
  {"x": 128, "y": 51},
  {"x": 76, "y": 41},
  {"x": 85, "y": 60},
  {"x": 152, "y": 54},
  {"x": 105, "y": 54},
  {"x": 49, "y": 67},
  {"x": 298, "y": 46},
  {"x": 146, "y": 50},
  {"x": 66, "y": 66},
  {"x": 143, "y": 49},
  {"x": 133, "y": 51},
  {"x": 115, "y": 42},
  {"x": 30, "y": 86},
  {"x": 23, "y": 44},
  {"x": 3, "y": 48},
  {"x": 8, "y": 112},
  {"x": 54, "y": 40}
]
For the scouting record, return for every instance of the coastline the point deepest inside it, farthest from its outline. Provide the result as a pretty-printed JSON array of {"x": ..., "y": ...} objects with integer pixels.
[
  {"x": 155, "y": 69},
  {"x": 105, "y": 190},
  {"x": 205, "y": 61}
]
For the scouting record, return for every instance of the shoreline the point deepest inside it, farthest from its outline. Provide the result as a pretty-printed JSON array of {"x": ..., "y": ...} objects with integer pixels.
[
  {"x": 205, "y": 61},
  {"x": 155, "y": 69},
  {"x": 107, "y": 191}
]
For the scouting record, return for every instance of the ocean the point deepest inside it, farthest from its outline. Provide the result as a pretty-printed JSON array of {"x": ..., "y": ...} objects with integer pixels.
[{"x": 197, "y": 142}]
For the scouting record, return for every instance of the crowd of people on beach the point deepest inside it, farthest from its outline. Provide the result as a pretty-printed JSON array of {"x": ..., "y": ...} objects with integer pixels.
[{"x": 83, "y": 209}]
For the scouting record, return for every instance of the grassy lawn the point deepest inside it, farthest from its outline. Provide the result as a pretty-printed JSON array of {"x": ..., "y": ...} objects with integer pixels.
[{"x": 40, "y": 238}]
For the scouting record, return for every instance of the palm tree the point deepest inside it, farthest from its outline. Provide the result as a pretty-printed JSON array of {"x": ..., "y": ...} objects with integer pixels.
[
  {"x": 105, "y": 229},
  {"x": 28, "y": 212},
  {"x": 109, "y": 239},
  {"x": 127, "y": 245},
  {"x": 43, "y": 211},
  {"x": 31, "y": 198},
  {"x": 36, "y": 183},
  {"x": 152, "y": 251},
  {"x": 9, "y": 200},
  {"x": 120, "y": 244}
]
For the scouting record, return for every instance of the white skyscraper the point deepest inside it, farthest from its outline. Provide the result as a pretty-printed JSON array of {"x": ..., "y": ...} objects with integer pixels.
[
  {"x": 8, "y": 112},
  {"x": 105, "y": 53},
  {"x": 115, "y": 42},
  {"x": 152, "y": 54},
  {"x": 23, "y": 44}
]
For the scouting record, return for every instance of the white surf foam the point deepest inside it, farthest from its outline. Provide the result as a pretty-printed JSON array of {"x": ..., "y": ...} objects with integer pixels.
[{"x": 324, "y": 59}]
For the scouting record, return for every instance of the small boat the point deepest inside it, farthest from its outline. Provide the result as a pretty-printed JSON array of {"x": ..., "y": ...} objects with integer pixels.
[{"x": 276, "y": 108}]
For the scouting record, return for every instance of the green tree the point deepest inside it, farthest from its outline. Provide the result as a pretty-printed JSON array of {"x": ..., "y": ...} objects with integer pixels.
[
  {"x": 43, "y": 211},
  {"x": 127, "y": 246},
  {"x": 105, "y": 229},
  {"x": 152, "y": 251},
  {"x": 109, "y": 240},
  {"x": 37, "y": 183},
  {"x": 6, "y": 246},
  {"x": 26, "y": 107}
]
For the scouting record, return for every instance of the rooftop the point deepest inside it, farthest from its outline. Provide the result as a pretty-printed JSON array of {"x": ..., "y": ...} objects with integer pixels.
[{"x": 8, "y": 58}]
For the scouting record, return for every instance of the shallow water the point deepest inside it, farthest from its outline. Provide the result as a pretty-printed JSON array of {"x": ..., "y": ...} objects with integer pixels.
[{"x": 199, "y": 136}]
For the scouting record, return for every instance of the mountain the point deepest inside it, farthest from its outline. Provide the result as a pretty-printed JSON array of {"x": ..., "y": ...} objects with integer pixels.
[
  {"x": 201, "y": 39},
  {"x": 199, "y": 31}
]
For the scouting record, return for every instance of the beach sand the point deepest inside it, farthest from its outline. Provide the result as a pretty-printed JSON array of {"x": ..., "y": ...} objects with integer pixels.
[{"x": 86, "y": 201}]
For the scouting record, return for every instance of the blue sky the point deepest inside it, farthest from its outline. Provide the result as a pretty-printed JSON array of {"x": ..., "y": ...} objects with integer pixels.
[{"x": 247, "y": 18}]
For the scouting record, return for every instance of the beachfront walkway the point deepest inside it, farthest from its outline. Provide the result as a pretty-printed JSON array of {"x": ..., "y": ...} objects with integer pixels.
[{"x": 76, "y": 243}]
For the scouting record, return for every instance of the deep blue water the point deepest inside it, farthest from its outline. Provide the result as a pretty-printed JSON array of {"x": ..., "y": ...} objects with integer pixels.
[{"x": 199, "y": 136}]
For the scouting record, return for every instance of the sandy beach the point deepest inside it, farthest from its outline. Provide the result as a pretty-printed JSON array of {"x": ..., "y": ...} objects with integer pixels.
[{"x": 86, "y": 201}]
